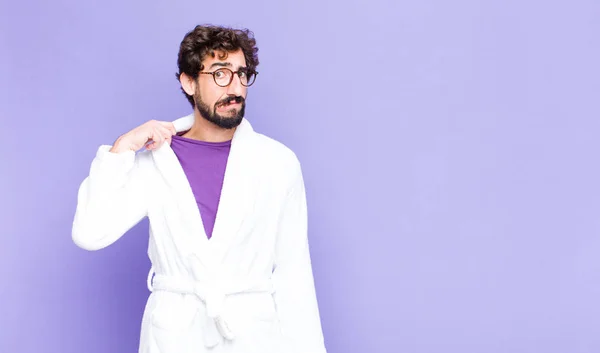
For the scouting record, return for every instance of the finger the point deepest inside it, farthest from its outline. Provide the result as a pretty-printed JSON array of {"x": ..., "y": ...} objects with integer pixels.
[
  {"x": 152, "y": 141},
  {"x": 170, "y": 127},
  {"x": 168, "y": 136},
  {"x": 158, "y": 138},
  {"x": 166, "y": 133}
]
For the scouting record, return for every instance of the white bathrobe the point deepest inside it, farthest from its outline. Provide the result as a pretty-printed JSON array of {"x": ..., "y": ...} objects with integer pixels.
[{"x": 247, "y": 289}]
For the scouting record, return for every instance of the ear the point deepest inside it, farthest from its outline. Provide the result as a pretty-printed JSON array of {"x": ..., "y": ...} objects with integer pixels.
[{"x": 188, "y": 84}]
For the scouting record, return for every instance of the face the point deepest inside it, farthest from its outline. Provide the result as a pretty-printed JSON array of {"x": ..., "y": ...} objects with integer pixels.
[{"x": 223, "y": 106}]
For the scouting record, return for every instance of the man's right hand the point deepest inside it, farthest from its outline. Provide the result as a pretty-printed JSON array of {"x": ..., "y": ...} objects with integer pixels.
[{"x": 151, "y": 135}]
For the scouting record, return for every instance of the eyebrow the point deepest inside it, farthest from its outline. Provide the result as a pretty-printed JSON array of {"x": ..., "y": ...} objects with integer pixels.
[
  {"x": 221, "y": 64},
  {"x": 226, "y": 64}
]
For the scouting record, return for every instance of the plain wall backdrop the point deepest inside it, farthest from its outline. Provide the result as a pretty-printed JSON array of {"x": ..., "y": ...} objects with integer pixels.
[{"x": 450, "y": 152}]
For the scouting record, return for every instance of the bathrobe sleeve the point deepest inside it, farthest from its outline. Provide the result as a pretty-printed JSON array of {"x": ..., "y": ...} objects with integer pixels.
[
  {"x": 111, "y": 199},
  {"x": 295, "y": 295}
]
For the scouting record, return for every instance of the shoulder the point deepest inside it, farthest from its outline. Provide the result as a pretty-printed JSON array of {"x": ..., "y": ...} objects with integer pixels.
[
  {"x": 125, "y": 158},
  {"x": 276, "y": 154},
  {"x": 144, "y": 159},
  {"x": 276, "y": 163}
]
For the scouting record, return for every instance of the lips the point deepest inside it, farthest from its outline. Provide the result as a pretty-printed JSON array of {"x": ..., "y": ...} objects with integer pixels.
[
  {"x": 231, "y": 103},
  {"x": 228, "y": 105}
]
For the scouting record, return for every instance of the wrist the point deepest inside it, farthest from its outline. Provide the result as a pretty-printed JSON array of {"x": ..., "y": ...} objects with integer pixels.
[{"x": 119, "y": 146}]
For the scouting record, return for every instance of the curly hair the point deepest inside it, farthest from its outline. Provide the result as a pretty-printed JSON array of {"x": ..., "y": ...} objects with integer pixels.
[{"x": 206, "y": 40}]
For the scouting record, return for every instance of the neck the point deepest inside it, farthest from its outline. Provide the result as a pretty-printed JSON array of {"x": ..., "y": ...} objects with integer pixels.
[{"x": 204, "y": 130}]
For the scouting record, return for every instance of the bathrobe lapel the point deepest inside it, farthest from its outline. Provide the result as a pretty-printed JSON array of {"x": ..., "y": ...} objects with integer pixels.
[{"x": 237, "y": 198}]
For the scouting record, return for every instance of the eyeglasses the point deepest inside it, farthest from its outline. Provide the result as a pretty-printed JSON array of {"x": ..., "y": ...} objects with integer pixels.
[{"x": 224, "y": 76}]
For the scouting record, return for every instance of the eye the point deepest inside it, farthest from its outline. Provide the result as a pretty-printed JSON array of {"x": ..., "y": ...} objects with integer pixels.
[
  {"x": 219, "y": 74},
  {"x": 242, "y": 74}
]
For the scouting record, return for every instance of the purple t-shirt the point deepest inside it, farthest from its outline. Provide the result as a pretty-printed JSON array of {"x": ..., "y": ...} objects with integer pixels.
[{"x": 204, "y": 165}]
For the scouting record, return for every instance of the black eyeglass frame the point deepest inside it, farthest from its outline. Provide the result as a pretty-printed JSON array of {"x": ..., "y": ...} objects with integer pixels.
[{"x": 249, "y": 73}]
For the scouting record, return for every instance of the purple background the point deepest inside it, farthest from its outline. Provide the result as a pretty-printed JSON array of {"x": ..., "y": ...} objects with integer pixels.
[{"x": 449, "y": 149}]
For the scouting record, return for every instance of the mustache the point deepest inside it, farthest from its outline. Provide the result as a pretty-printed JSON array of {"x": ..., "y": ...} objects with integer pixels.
[{"x": 228, "y": 100}]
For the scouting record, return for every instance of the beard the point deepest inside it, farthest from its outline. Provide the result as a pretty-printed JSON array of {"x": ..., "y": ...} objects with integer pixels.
[{"x": 231, "y": 121}]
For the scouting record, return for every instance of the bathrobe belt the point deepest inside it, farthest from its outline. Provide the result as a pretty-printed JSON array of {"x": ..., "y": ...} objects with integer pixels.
[{"x": 213, "y": 295}]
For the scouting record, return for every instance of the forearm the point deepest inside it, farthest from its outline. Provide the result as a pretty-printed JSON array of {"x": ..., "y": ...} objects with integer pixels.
[{"x": 110, "y": 200}]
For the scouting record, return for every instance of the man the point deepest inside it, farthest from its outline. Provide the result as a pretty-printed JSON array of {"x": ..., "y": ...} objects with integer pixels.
[{"x": 231, "y": 269}]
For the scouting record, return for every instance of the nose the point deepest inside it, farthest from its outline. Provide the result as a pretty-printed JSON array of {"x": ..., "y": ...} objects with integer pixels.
[{"x": 235, "y": 87}]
